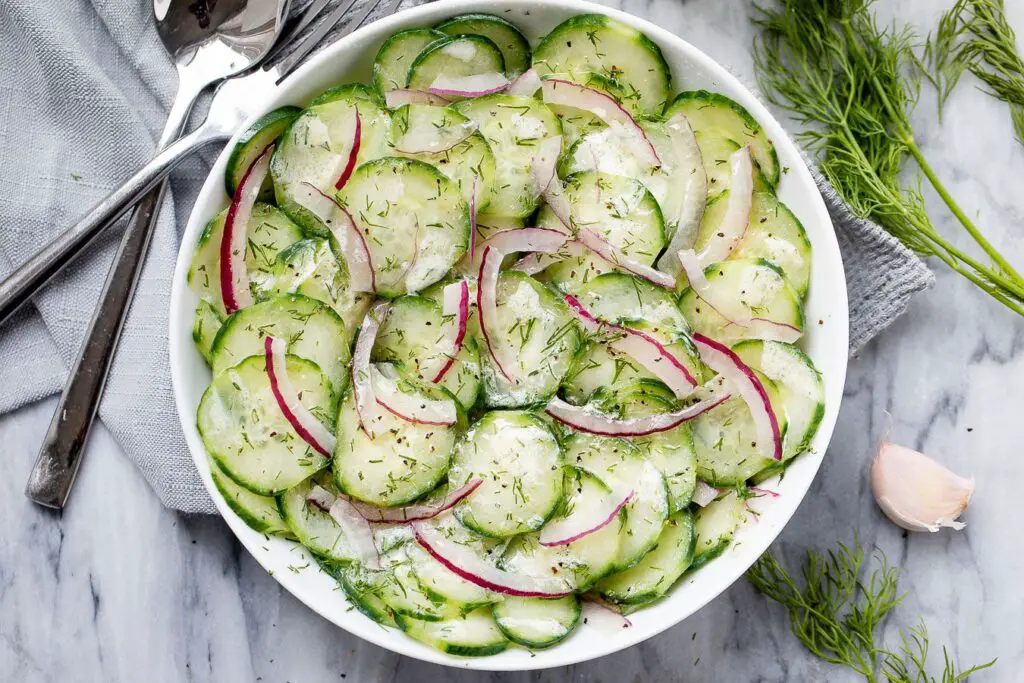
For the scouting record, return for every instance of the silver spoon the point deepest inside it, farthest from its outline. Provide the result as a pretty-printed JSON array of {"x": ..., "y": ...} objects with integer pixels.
[{"x": 209, "y": 41}]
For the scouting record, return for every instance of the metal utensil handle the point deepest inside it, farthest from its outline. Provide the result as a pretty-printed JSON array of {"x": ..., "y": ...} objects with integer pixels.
[
  {"x": 21, "y": 285},
  {"x": 54, "y": 472}
]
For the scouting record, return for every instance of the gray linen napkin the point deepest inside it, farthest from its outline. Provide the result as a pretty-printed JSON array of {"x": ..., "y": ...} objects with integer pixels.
[{"x": 83, "y": 97}]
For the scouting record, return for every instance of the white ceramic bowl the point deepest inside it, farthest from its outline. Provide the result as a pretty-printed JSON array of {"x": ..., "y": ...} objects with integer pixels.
[{"x": 825, "y": 341}]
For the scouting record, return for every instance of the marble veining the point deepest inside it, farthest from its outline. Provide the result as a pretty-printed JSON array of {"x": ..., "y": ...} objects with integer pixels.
[{"x": 120, "y": 589}]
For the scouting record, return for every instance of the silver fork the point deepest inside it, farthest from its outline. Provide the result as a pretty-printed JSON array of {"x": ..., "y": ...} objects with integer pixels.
[{"x": 61, "y": 454}]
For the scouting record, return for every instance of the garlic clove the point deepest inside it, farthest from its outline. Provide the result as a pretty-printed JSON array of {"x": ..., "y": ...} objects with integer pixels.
[{"x": 916, "y": 492}]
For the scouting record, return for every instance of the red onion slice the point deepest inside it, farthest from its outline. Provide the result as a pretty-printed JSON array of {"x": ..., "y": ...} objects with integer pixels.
[
  {"x": 430, "y": 139},
  {"x": 310, "y": 429},
  {"x": 737, "y": 212},
  {"x": 497, "y": 247},
  {"x": 704, "y": 493},
  {"x": 602, "y": 615},
  {"x": 456, "y": 303},
  {"x": 546, "y": 182},
  {"x": 583, "y": 522},
  {"x": 234, "y": 278},
  {"x": 586, "y": 419},
  {"x": 694, "y": 190},
  {"x": 472, "y": 220},
  {"x": 620, "y": 261},
  {"x": 604, "y": 107},
  {"x": 416, "y": 513},
  {"x": 742, "y": 379},
  {"x": 344, "y": 229},
  {"x": 413, "y": 409},
  {"x": 473, "y": 568},
  {"x": 321, "y": 498},
  {"x": 362, "y": 380},
  {"x": 396, "y": 98},
  {"x": 353, "y": 152},
  {"x": 357, "y": 532},
  {"x": 476, "y": 85},
  {"x": 643, "y": 348},
  {"x": 755, "y": 327},
  {"x": 526, "y": 85}
]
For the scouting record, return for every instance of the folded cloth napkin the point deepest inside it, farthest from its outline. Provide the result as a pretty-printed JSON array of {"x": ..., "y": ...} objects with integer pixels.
[{"x": 85, "y": 90}]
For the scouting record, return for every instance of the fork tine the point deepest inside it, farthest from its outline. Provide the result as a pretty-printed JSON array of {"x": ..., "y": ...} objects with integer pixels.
[
  {"x": 308, "y": 17},
  {"x": 311, "y": 41}
]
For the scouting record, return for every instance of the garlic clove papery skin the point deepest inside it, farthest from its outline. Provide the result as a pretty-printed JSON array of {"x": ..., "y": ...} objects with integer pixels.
[{"x": 917, "y": 493}]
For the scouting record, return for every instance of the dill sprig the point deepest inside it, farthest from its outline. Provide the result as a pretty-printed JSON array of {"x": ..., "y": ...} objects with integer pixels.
[
  {"x": 975, "y": 35},
  {"x": 836, "y": 615},
  {"x": 854, "y": 84}
]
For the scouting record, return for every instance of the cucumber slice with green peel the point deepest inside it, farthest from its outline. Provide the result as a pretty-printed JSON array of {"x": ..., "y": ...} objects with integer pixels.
[
  {"x": 715, "y": 149},
  {"x": 708, "y": 111},
  {"x": 620, "y": 297},
  {"x": 518, "y": 457},
  {"x": 262, "y": 133},
  {"x": 469, "y": 164},
  {"x": 311, "y": 329},
  {"x": 404, "y": 462},
  {"x": 472, "y": 635},
  {"x": 715, "y": 526},
  {"x": 514, "y": 127},
  {"x": 515, "y": 49},
  {"x": 580, "y": 563},
  {"x": 313, "y": 527},
  {"x": 536, "y": 330},
  {"x": 725, "y": 439},
  {"x": 414, "y": 220},
  {"x": 654, "y": 575},
  {"x": 621, "y": 466},
  {"x": 454, "y": 57},
  {"x": 751, "y": 289},
  {"x": 396, "y": 586},
  {"x": 537, "y": 622},
  {"x": 359, "y": 589},
  {"x": 269, "y": 232},
  {"x": 205, "y": 326},
  {"x": 440, "y": 582},
  {"x": 800, "y": 388},
  {"x": 415, "y": 334},
  {"x": 594, "y": 43},
  {"x": 315, "y": 269},
  {"x": 313, "y": 154},
  {"x": 259, "y": 512},
  {"x": 619, "y": 209},
  {"x": 358, "y": 94},
  {"x": 248, "y": 436},
  {"x": 396, "y": 55},
  {"x": 577, "y": 123},
  {"x": 773, "y": 233}
]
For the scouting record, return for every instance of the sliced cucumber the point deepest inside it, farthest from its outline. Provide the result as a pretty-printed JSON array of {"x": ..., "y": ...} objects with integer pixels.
[
  {"x": 715, "y": 526},
  {"x": 800, "y": 389},
  {"x": 537, "y": 622},
  {"x": 621, "y": 466},
  {"x": 205, "y": 327},
  {"x": 488, "y": 224},
  {"x": 514, "y": 127},
  {"x": 387, "y": 537},
  {"x": 404, "y": 462},
  {"x": 415, "y": 334},
  {"x": 415, "y": 222},
  {"x": 622, "y": 297},
  {"x": 580, "y": 563},
  {"x": 578, "y": 122},
  {"x": 311, "y": 328},
  {"x": 725, "y": 439},
  {"x": 518, "y": 457},
  {"x": 249, "y": 437},
  {"x": 708, "y": 111},
  {"x": 469, "y": 163},
  {"x": 455, "y": 56},
  {"x": 398, "y": 588},
  {"x": 356, "y": 94},
  {"x": 269, "y": 231},
  {"x": 595, "y": 43},
  {"x": 773, "y": 234},
  {"x": 313, "y": 154},
  {"x": 436, "y": 579},
  {"x": 750, "y": 289},
  {"x": 259, "y": 512},
  {"x": 619, "y": 209},
  {"x": 359, "y": 590},
  {"x": 396, "y": 55},
  {"x": 536, "y": 330},
  {"x": 314, "y": 527},
  {"x": 514, "y": 47},
  {"x": 654, "y": 575},
  {"x": 313, "y": 268},
  {"x": 263, "y": 132},
  {"x": 472, "y": 635},
  {"x": 716, "y": 149}
]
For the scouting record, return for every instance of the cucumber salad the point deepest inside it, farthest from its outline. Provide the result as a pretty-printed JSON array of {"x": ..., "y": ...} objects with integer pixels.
[{"x": 507, "y": 338}]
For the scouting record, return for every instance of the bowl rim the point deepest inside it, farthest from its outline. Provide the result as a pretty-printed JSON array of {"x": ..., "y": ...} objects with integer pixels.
[{"x": 825, "y": 245}]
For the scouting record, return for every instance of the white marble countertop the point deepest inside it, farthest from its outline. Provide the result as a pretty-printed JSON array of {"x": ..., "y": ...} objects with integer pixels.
[{"x": 120, "y": 589}]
